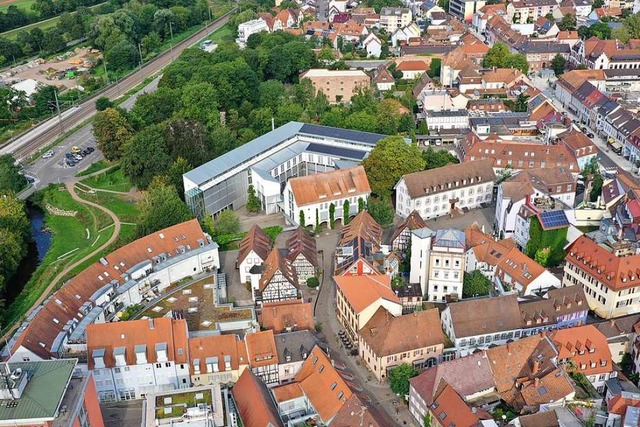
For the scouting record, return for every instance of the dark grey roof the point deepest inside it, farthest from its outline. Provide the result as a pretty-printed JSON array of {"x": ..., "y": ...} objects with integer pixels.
[
  {"x": 544, "y": 47},
  {"x": 342, "y": 134},
  {"x": 416, "y": 50},
  {"x": 631, "y": 72},
  {"x": 448, "y": 113},
  {"x": 294, "y": 346}
]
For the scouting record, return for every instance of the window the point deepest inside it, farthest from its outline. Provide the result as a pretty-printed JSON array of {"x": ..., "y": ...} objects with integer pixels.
[{"x": 340, "y": 395}]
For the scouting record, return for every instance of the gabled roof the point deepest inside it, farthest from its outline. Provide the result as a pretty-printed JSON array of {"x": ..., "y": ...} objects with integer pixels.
[
  {"x": 573, "y": 79},
  {"x": 254, "y": 402},
  {"x": 485, "y": 316},
  {"x": 412, "y": 222},
  {"x": 328, "y": 186},
  {"x": 508, "y": 76},
  {"x": 382, "y": 75},
  {"x": 317, "y": 377},
  {"x": 294, "y": 346},
  {"x": 519, "y": 267},
  {"x": 302, "y": 242},
  {"x": 220, "y": 347},
  {"x": 355, "y": 413},
  {"x": 362, "y": 291},
  {"x": 540, "y": 419},
  {"x": 364, "y": 227},
  {"x": 147, "y": 334},
  {"x": 257, "y": 241},
  {"x": 280, "y": 316},
  {"x": 387, "y": 335},
  {"x": 556, "y": 303},
  {"x": 261, "y": 349},
  {"x": 412, "y": 65},
  {"x": 276, "y": 263},
  {"x": 577, "y": 140},
  {"x": 586, "y": 347},
  {"x": 449, "y": 409}
]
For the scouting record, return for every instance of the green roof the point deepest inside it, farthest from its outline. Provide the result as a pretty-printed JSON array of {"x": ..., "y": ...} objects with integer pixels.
[{"x": 48, "y": 380}]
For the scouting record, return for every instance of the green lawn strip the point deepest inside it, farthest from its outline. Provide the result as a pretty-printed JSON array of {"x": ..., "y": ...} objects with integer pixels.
[
  {"x": 68, "y": 244},
  {"x": 113, "y": 180},
  {"x": 121, "y": 205},
  {"x": 222, "y": 34},
  {"x": 94, "y": 167},
  {"x": 20, "y": 4},
  {"x": 43, "y": 25},
  {"x": 180, "y": 402}
]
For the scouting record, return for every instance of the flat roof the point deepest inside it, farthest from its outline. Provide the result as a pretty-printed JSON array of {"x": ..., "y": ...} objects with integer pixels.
[
  {"x": 321, "y": 72},
  {"x": 210, "y": 170}
]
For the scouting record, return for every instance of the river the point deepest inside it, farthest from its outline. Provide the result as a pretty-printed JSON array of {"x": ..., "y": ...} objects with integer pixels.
[{"x": 36, "y": 250}]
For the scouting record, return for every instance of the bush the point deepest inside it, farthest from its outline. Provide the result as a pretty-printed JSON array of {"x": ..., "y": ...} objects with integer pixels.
[{"x": 313, "y": 282}]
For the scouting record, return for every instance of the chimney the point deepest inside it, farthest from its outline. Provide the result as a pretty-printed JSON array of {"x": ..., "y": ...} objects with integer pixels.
[
  {"x": 536, "y": 382},
  {"x": 151, "y": 325},
  {"x": 536, "y": 367}
]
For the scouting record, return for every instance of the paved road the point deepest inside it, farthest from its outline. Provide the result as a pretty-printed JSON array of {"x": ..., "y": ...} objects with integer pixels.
[
  {"x": 48, "y": 131},
  {"x": 116, "y": 232},
  {"x": 322, "y": 10},
  {"x": 122, "y": 414}
]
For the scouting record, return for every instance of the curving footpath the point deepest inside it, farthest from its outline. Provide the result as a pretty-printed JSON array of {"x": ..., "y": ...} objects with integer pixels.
[{"x": 116, "y": 232}]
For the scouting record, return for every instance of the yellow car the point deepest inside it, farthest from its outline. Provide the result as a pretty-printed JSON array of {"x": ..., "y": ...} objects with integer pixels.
[{"x": 75, "y": 150}]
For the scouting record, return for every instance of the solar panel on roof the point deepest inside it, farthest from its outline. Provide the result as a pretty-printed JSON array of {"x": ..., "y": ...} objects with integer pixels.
[
  {"x": 554, "y": 219},
  {"x": 345, "y": 134},
  {"x": 344, "y": 153}
]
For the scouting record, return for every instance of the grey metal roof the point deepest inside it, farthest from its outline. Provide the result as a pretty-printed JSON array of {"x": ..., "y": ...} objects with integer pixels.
[
  {"x": 282, "y": 156},
  {"x": 210, "y": 170}
]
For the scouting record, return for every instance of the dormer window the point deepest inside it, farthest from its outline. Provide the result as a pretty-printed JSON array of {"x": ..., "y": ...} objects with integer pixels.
[
  {"x": 119, "y": 355},
  {"x": 161, "y": 352},
  {"x": 141, "y": 354}
]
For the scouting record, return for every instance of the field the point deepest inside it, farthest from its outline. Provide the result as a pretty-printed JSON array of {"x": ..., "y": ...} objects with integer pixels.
[
  {"x": 223, "y": 34},
  {"x": 43, "y": 25},
  {"x": 21, "y": 4},
  {"x": 112, "y": 180}
]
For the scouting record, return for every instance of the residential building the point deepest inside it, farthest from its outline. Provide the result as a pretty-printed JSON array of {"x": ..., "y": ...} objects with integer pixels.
[
  {"x": 582, "y": 147},
  {"x": 538, "y": 419},
  {"x": 479, "y": 323},
  {"x": 556, "y": 309},
  {"x": 540, "y": 55},
  {"x": 293, "y": 349},
  {"x": 278, "y": 281},
  {"x": 421, "y": 242},
  {"x": 216, "y": 359},
  {"x": 338, "y": 85},
  {"x": 201, "y": 406},
  {"x": 287, "y": 18},
  {"x": 267, "y": 162},
  {"x": 610, "y": 281},
  {"x": 383, "y": 79},
  {"x": 302, "y": 254},
  {"x": 400, "y": 240},
  {"x": 523, "y": 11},
  {"x": 569, "y": 82},
  {"x": 518, "y": 273},
  {"x": 133, "y": 358},
  {"x": 287, "y": 316},
  {"x": 254, "y": 402},
  {"x": 449, "y": 409},
  {"x": 404, "y": 34},
  {"x": 533, "y": 186},
  {"x": 313, "y": 196},
  {"x": 447, "y": 119},
  {"x": 486, "y": 254},
  {"x": 440, "y": 191},
  {"x": 387, "y": 340},
  {"x": 254, "y": 250},
  {"x": 372, "y": 45},
  {"x": 358, "y": 299},
  {"x": 248, "y": 28},
  {"x": 392, "y": 18},
  {"x": 48, "y": 393},
  {"x": 263, "y": 356},
  {"x": 620, "y": 334},
  {"x": 355, "y": 412},
  {"x": 446, "y": 265},
  {"x": 584, "y": 350},
  {"x": 412, "y": 69},
  {"x": 359, "y": 249},
  {"x": 464, "y": 9},
  {"x": 129, "y": 275}
]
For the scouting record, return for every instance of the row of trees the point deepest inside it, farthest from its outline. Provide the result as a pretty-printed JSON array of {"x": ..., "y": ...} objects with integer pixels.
[
  {"x": 16, "y": 17},
  {"x": 499, "y": 56},
  {"x": 14, "y": 223}
]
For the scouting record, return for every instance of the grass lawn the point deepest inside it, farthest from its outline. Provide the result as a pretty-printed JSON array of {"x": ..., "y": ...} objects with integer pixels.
[
  {"x": 20, "y": 4},
  {"x": 122, "y": 205},
  {"x": 94, "y": 167},
  {"x": 180, "y": 402},
  {"x": 222, "y": 34},
  {"x": 113, "y": 180},
  {"x": 43, "y": 25},
  {"x": 70, "y": 242}
]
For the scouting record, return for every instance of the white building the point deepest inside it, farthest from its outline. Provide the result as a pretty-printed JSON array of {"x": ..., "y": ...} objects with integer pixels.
[
  {"x": 250, "y": 27},
  {"x": 392, "y": 18},
  {"x": 132, "y": 359},
  {"x": 446, "y": 265},
  {"x": 308, "y": 199},
  {"x": 372, "y": 45},
  {"x": 438, "y": 192},
  {"x": 254, "y": 250},
  {"x": 447, "y": 120},
  {"x": 405, "y": 33},
  {"x": 420, "y": 256},
  {"x": 464, "y": 9}
]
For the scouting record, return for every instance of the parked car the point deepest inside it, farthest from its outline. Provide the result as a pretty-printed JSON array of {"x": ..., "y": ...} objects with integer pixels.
[
  {"x": 30, "y": 179},
  {"x": 71, "y": 162},
  {"x": 84, "y": 153},
  {"x": 78, "y": 157},
  {"x": 69, "y": 155},
  {"x": 590, "y": 135},
  {"x": 91, "y": 149},
  {"x": 75, "y": 149},
  {"x": 48, "y": 154}
]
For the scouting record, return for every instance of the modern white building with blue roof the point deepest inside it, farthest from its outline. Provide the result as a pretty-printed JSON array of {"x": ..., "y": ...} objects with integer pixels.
[
  {"x": 446, "y": 265},
  {"x": 267, "y": 162}
]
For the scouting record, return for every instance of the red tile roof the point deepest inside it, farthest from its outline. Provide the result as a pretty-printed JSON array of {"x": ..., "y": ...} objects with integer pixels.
[
  {"x": 261, "y": 349},
  {"x": 586, "y": 347},
  {"x": 275, "y": 265},
  {"x": 65, "y": 304},
  {"x": 362, "y": 291},
  {"x": 255, "y": 405},
  {"x": 257, "y": 241},
  {"x": 448, "y": 408},
  {"x": 200, "y": 348},
  {"x": 129, "y": 334},
  {"x": 329, "y": 186},
  {"x": 412, "y": 65},
  {"x": 281, "y": 316}
]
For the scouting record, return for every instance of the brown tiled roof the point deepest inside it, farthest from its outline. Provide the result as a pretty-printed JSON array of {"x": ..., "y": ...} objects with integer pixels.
[
  {"x": 65, "y": 304},
  {"x": 508, "y": 76},
  {"x": 526, "y": 375},
  {"x": 586, "y": 347},
  {"x": 364, "y": 227},
  {"x": 316, "y": 378},
  {"x": 557, "y": 302},
  {"x": 519, "y": 267},
  {"x": 435, "y": 180},
  {"x": 287, "y": 392},
  {"x": 261, "y": 349},
  {"x": 572, "y": 80},
  {"x": 568, "y": 35},
  {"x": 413, "y": 222},
  {"x": 544, "y": 179},
  {"x": 540, "y": 419},
  {"x": 302, "y": 242},
  {"x": 254, "y": 402},
  {"x": 329, "y": 186},
  {"x": 383, "y": 75},
  {"x": 616, "y": 273},
  {"x": 280, "y": 316},
  {"x": 577, "y": 141},
  {"x": 219, "y": 346},
  {"x": 485, "y": 315},
  {"x": 614, "y": 328},
  {"x": 618, "y": 404},
  {"x": 412, "y": 65},
  {"x": 256, "y": 240},
  {"x": 129, "y": 334},
  {"x": 448, "y": 408},
  {"x": 362, "y": 291},
  {"x": 276, "y": 263},
  {"x": 387, "y": 335},
  {"x": 493, "y": 252},
  {"x": 355, "y": 413}
]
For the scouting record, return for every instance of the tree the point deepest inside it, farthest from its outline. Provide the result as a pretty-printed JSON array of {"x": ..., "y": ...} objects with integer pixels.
[
  {"x": 332, "y": 216},
  {"x": 499, "y": 56},
  {"x": 521, "y": 104},
  {"x": 596, "y": 187},
  {"x": 122, "y": 56},
  {"x": 542, "y": 256},
  {"x": 253, "y": 202},
  {"x": 112, "y": 131},
  {"x": 476, "y": 284},
  {"x": 632, "y": 25},
  {"x": 178, "y": 168},
  {"x": 517, "y": 61},
  {"x": 199, "y": 103},
  {"x": 313, "y": 282},
  {"x": 427, "y": 419},
  {"x": 362, "y": 205},
  {"x": 161, "y": 207},
  {"x": 558, "y": 64},
  {"x": 103, "y": 103},
  {"x": 188, "y": 139},
  {"x": 437, "y": 159},
  {"x": 399, "y": 378},
  {"x": 434, "y": 68},
  {"x": 381, "y": 211},
  {"x": 345, "y": 212},
  {"x": 145, "y": 156},
  {"x": 568, "y": 23},
  {"x": 227, "y": 223},
  {"x": 391, "y": 158},
  {"x": 11, "y": 181},
  {"x": 12, "y": 250},
  {"x": 158, "y": 106},
  {"x": 302, "y": 218},
  {"x": 13, "y": 216}
]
